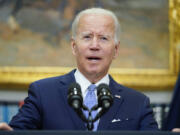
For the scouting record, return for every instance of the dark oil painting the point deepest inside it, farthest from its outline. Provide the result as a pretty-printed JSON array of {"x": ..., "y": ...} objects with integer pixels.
[{"x": 38, "y": 32}]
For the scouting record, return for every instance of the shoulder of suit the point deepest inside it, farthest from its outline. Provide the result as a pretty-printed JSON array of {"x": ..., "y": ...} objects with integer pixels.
[
  {"x": 54, "y": 79},
  {"x": 130, "y": 91}
]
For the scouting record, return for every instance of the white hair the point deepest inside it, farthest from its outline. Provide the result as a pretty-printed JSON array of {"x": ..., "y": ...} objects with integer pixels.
[{"x": 97, "y": 11}]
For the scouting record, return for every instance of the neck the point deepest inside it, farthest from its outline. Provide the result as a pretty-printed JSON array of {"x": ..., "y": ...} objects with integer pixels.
[{"x": 95, "y": 77}]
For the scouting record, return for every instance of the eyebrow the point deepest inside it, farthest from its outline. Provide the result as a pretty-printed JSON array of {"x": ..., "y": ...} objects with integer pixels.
[{"x": 86, "y": 33}]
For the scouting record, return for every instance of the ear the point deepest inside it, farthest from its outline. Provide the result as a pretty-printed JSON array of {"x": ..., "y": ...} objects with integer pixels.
[
  {"x": 73, "y": 46},
  {"x": 116, "y": 50}
]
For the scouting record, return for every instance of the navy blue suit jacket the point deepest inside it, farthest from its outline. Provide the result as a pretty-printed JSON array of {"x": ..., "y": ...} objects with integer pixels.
[
  {"x": 46, "y": 107},
  {"x": 173, "y": 118}
]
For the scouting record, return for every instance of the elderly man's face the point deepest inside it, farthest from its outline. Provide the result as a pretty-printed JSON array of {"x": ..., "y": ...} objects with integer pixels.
[{"x": 94, "y": 46}]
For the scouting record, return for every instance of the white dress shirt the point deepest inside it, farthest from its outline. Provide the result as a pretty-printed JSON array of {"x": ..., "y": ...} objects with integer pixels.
[{"x": 85, "y": 83}]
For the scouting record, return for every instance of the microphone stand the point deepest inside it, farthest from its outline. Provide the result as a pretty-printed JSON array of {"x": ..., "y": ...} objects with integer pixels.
[
  {"x": 100, "y": 113},
  {"x": 75, "y": 100},
  {"x": 89, "y": 120}
]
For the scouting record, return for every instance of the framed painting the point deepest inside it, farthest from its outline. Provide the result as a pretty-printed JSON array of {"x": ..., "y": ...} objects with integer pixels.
[{"x": 35, "y": 41}]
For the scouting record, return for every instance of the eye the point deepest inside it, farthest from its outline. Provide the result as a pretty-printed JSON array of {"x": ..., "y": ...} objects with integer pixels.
[
  {"x": 87, "y": 37},
  {"x": 104, "y": 38}
]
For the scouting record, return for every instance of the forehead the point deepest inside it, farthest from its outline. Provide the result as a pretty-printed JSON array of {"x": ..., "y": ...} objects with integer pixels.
[{"x": 97, "y": 23}]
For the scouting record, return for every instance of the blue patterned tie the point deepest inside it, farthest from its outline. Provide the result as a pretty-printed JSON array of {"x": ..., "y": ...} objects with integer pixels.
[{"x": 89, "y": 101}]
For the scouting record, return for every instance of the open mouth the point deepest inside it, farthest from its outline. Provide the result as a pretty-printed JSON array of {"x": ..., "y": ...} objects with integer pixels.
[{"x": 93, "y": 58}]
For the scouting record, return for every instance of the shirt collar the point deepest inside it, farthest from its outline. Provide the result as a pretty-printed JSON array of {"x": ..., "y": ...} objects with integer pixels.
[{"x": 84, "y": 82}]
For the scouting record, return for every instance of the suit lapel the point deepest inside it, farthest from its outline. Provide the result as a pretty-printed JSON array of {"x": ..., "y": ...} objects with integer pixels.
[
  {"x": 64, "y": 85},
  {"x": 106, "y": 119}
]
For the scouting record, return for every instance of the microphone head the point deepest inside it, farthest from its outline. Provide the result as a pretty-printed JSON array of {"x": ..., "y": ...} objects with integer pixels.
[
  {"x": 105, "y": 98},
  {"x": 102, "y": 87},
  {"x": 74, "y": 97},
  {"x": 74, "y": 86}
]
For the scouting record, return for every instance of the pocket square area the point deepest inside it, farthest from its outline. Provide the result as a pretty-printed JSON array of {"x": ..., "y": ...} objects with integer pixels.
[
  {"x": 115, "y": 120},
  {"x": 121, "y": 119}
]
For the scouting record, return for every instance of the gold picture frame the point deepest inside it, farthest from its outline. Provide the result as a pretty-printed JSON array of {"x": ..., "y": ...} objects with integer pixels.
[{"x": 141, "y": 79}]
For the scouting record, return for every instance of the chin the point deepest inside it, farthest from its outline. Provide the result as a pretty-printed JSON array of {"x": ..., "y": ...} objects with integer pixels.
[{"x": 92, "y": 71}]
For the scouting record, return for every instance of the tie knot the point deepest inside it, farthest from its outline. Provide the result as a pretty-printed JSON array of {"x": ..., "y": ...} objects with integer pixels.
[{"x": 92, "y": 87}]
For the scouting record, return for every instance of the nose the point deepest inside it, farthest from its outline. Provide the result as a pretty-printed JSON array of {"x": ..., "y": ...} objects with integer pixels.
[{"x": 95, "y": 44}]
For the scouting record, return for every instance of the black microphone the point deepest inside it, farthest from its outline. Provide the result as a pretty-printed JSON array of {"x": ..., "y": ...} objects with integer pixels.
[
  {"x": 105, "y": 98},
  {"x": 75, "y": 100},
  {"x": 74, "y": 97}
]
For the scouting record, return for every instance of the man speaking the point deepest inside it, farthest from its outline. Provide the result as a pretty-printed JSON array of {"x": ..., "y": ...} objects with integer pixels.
[{"x": 95, "y": 43}]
